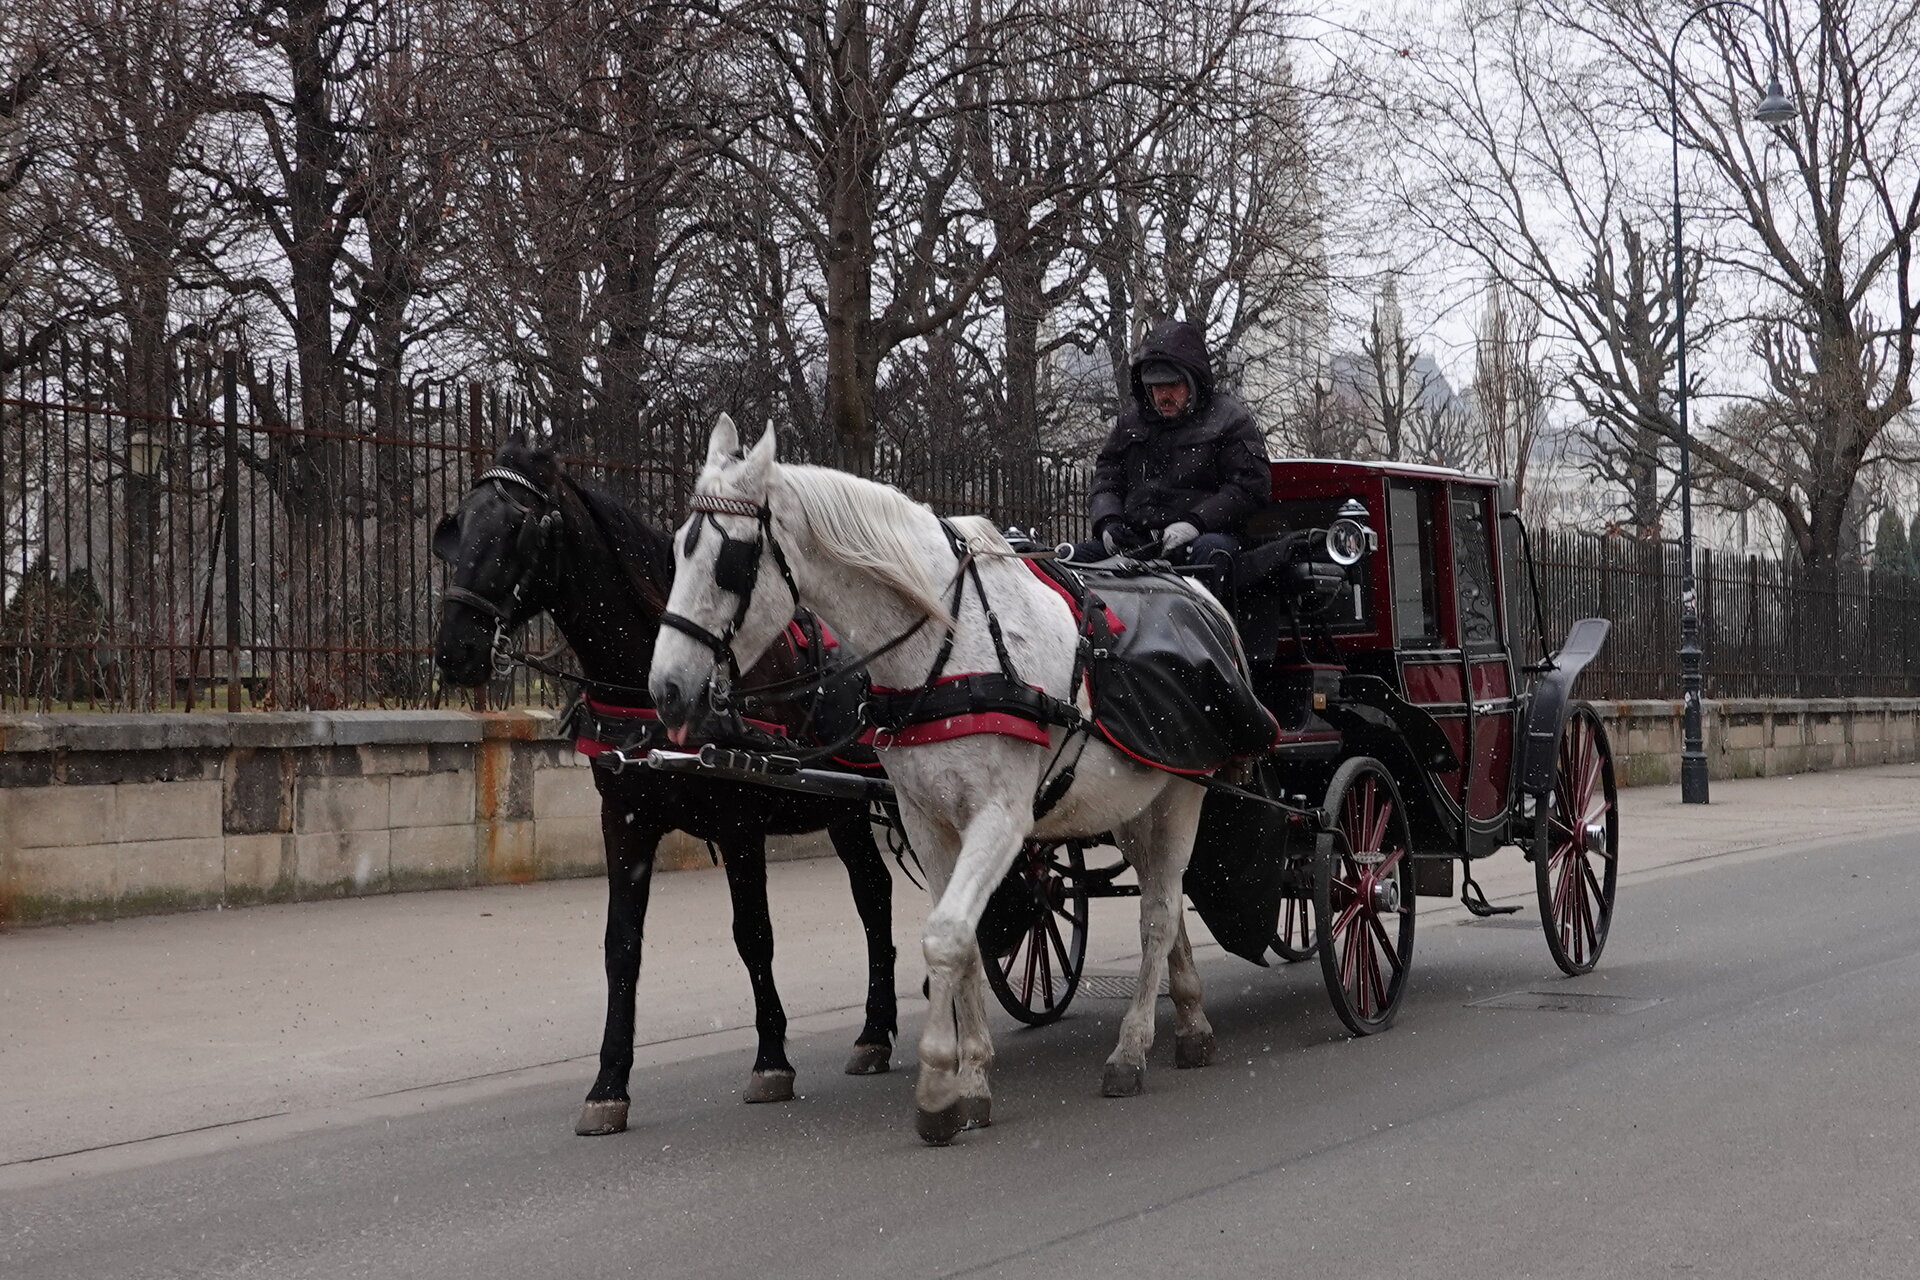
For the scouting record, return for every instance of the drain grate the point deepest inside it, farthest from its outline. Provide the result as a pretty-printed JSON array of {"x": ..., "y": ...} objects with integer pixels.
[
  {"x": 1565, "y": 1002},
  {"x": 1111, "y": 986}
]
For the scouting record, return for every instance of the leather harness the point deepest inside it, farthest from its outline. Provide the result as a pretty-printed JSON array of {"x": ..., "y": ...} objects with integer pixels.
[{"x": 938, "y": 697}]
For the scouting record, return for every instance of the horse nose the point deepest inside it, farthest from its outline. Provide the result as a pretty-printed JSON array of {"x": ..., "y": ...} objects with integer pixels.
[
  {"x": 461, "y": 659},
  {"x": 672, "y": 700}
]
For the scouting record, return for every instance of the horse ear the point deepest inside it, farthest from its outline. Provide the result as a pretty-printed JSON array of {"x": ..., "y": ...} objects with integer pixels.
[
  {"x": 724, "y": 443},
  {"x": 764, "y": 451}
]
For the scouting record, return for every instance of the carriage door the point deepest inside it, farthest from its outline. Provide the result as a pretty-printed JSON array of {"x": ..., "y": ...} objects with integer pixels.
[
  {"x": 1491, "y": 710},
  {"x": 1432, "y": 667}
]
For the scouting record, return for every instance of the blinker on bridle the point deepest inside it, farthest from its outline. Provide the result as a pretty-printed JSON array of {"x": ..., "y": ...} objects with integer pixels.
[
  {"x": 736, "y": 570},
  {"x": 529, "y": 545}
]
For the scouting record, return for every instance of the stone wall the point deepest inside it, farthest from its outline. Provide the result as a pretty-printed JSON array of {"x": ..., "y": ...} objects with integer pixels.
[
  {"x": 107, "y": 815},
  {"x": 1762, "y": 737}
]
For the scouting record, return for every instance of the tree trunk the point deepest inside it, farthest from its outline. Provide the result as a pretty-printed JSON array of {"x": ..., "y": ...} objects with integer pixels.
[{"x": 1022, "y": 287}]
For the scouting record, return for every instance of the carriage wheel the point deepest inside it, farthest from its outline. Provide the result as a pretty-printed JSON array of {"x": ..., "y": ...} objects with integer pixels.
[
  {"x": 1038, "y": 971},
  {"x": 1576, "y": 859},
  {"x": 1297, "y": 938},
  {"x": 1363, "y": 897}
]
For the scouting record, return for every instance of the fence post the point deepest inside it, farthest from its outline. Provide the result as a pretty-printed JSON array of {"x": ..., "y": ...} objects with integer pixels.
[
  {"x": 230, "y": 514},
  {"x": 1710, "y": 651},
  {"x": 476, "y": 441}
]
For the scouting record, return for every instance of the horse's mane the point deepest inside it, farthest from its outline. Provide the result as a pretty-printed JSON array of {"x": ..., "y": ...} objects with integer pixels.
[
  {"x": 869, "y": 526},
  {"x": 644, "y": 553}
]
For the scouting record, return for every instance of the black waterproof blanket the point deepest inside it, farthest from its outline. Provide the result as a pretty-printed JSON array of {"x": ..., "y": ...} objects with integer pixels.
[{"x": 1171, "y": 689}]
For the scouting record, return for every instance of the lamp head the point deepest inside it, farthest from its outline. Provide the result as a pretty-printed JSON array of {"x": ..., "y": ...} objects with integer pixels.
[{"x": 1775, "y": 107}]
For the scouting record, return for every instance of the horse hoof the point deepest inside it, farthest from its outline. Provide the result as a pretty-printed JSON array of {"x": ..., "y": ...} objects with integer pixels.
[
  {"x": 976, "y": 1113},
  {"x": 936, "y": 1128},
  {"x": 1122, "y": 1080},
  {"x": 1193, "y": 1051},
  {"x": 869, "y": 1060},
  {"x": 597, "y": 1119},
  {"x": 770, "y": 1086}
]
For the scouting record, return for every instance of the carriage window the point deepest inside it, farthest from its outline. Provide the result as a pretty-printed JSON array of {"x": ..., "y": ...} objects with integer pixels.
[
  {"x": 1414, "y": 618},
  {"x": 1473, "y": 571}
]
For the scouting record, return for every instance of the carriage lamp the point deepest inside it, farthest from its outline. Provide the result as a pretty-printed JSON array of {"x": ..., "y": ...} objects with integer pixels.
[{"x": 1349, "y": 540}]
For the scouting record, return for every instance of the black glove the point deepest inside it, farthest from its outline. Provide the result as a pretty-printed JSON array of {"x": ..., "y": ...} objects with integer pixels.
[{"x": 1116, "y": 535}]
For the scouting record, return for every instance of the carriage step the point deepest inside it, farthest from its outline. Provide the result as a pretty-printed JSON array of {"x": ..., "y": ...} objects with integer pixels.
[{"x": 1475, "y": 901}]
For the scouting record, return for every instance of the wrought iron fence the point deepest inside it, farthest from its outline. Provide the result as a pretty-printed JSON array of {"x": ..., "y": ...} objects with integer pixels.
[
  {"x": 1767, "y": 629},
  {"x": 225, "y": 554}
]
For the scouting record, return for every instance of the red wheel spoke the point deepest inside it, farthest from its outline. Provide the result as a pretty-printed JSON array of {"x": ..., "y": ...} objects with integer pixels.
[
  {"x": 1349, "y": 959},
  {"x": 1033, "y": 958},
  {"x": 1298, "y": 925},
  {"x": 1046, "y": 966},
  {"x": 1059, "y": 947},
  {"x": 1355, "y": 978},
  {"x": 1593, "y": 881},
  {"x": 1562, "y": 892},
  {"x": 1386, "y": 945},
  {"x": 1377, "y": 978},
  {"x": 1588, "y": 938},
  {"x": 1377, "y": 833}
]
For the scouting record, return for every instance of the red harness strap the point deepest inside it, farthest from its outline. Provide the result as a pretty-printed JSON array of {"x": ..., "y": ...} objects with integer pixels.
[
  {"x": 965, "y": 725},
  {"x": 970, "y": 723}
]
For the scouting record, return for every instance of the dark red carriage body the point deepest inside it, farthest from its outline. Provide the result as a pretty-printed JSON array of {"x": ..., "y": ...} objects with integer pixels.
[
  {"x": 1428, "y": 616},
  {"x": 1393, "y": 671}
]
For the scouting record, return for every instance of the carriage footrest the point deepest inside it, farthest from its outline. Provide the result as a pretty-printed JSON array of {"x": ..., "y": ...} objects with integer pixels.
[{"x": 1474, "y": 900}]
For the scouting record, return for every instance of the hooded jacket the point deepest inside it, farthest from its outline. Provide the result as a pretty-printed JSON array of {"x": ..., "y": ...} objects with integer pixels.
[{"x": 1209, "y": 465}]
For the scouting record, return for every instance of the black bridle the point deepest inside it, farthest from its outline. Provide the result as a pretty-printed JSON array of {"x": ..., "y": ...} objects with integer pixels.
[
  {"x": 530, "y": 546},
  {"x": 736, "y": 570}
]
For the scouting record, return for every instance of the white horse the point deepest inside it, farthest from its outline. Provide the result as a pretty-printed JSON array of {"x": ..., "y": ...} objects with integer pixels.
[{"x": 879, "y": 565}]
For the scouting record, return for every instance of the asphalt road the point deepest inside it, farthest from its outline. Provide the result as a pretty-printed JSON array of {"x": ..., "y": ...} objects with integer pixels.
[{"x": 1750, "y": 1111}]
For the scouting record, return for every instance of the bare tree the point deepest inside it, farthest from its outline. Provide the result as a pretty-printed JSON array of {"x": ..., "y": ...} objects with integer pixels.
[
  {"x": 1526, "y": 146},
  {"x": 1390, "y": 385},
  {"x": 1217, "y": 217},
  {"x": 856, "y": 119},
  {"x": 1324, "y": 422},
  {"x": 38, "y": 293},
  {"x": 130, "y": 136}
]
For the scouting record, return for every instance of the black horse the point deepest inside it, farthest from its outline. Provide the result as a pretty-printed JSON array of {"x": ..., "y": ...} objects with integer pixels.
[{"x": 529, "y": 537}]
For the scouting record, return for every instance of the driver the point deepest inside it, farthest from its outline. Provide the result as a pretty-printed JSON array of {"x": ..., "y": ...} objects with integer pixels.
[{"x": 1184, "y": 467}]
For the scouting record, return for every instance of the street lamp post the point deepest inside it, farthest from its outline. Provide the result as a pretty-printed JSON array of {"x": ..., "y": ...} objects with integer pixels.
[
  {"x": 146, "y": 457},
  {"x": 1774, "y": 108}
]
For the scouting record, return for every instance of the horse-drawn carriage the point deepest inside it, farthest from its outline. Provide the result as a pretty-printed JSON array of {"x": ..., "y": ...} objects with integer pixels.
[
  {"x": 1373, "y": 603},
  {"x": 1369, "y": 651}
]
